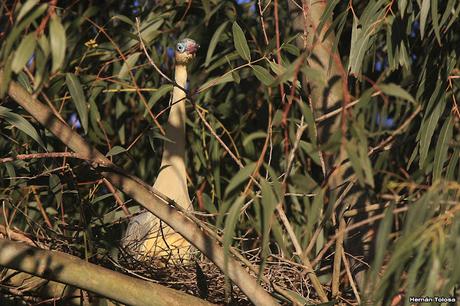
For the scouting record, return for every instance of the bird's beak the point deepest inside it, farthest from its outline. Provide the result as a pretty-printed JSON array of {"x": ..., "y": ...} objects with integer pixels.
[{"x": 193, "y": 47}]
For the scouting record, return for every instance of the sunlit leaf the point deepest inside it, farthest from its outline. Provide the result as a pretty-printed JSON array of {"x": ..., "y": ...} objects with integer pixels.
[
  {"x": 58, "y": 42},
  {"x": 423, "y": 15},
  {"x": 25, "y": 8},
  {"x": 24, "y": 52}
]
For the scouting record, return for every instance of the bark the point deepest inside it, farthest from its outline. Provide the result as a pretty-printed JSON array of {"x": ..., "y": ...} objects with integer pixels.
[{"x": 73, "y": 271}]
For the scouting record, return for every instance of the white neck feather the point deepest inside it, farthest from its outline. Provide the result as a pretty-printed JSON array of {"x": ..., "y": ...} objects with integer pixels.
[{"x": 172, "y": 179}]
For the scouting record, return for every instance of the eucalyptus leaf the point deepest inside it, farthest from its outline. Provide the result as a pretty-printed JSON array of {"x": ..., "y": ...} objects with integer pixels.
[
  {"x": 58, "y": 42},
  {"x": 78, "y": 97},
  {"x": 24, "y": 52},
  {"x": 240, "y": 43},
  {"x": 22, "y": 124}
]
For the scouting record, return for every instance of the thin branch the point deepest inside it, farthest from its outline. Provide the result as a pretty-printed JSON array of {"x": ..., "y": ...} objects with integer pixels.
[{"x": 144, "y": 194}]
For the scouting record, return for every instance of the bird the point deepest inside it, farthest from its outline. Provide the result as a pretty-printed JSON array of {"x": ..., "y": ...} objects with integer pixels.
[{"x": 146, "y": 235}]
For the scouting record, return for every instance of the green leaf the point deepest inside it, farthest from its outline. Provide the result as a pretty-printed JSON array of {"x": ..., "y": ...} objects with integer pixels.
[
  {"x": 208, "y": 204},
  {"x": 394, "y": 90},
  {"x": 26, "y": 8},
  {"x": 326, "y": 16},
  {"x": 225, "y": 78},
  {"x": 360, "y": 36},
  {"x": 263, "y": 75},
  {"x": 355, "y": 161},
  {"x": 157, "y": 95},
  {"x": 24, "y": 52},
  {"x": 124, "y": 19},
  {"x": 452, "y": 166},
  {"x": 427, "y": 130},
  {"x": 268, "y": 207},
  {"x": 6, "y": 76},
  {"x": 289, "y": 72},
  {"x": 423, "y": 15},
  {"x": 150, "y": 31},
  {"x": 213, "y": 43},
  {"x": 115, "y": 151},
  {"x": 277, "y": 68},
  {"x": 78, "y": 97},
  {"x": 382, "y": 241},
  {"x": 128, "y": 65},
  {"x": 311, "y": 150},
  {"x": 307, "y": 112},
  {"x": 58, "y": 42},
  {"x": 17, "y": 30},
  {"x": 252, "y": 136},
  {"x": 240, "y": 177},
  {"x": 435, "y": 18},
  {"x": 229, "y": 229},
  {"x": 22, "y": 124},
  {"x": 402, "y": 4},
  {"x": 442, "y": 147},
  {"x": 239, "y": 40}
]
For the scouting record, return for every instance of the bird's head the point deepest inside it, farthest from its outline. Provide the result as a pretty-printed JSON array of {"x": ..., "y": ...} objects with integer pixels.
[{"x": 185, "y": 51}]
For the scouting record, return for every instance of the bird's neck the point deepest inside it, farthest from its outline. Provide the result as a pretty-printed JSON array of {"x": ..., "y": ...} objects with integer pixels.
[
  {"x": 171, "y": 180},
  {"x": 177, "y": 113}
]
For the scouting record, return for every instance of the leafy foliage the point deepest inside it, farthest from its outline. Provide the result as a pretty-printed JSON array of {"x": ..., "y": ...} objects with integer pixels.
[{"x": 255, "y": 144}]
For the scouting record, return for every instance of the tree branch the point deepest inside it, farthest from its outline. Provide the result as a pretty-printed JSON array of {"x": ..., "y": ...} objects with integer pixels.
[
  {"x": 73, "y": 271},
  {"x": 142, "y": 193}
]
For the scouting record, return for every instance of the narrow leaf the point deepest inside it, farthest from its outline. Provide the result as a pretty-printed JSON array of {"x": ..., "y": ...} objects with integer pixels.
[
  {"x": 396, "y": 91},
  {"x": 263, "y": 75},
  {"x": 428, "y": 129},
  {"x": 157, "y": 95},
  {"x": 78, "y": 97},
  {"x": 268, "y": 207},
  {"x": 115, "y": 151},
  {"x": 359, "y": 45},
  {"x": 214, "y": 40},
  {"x": 24, "y": 52},
  {"x": 442, "y": 147},
  {"x": 128, "y": 65},
  {"x": 58, "y": 42},
  {"x": 240, "y": 177},
  {"x": 225, "y": 78},
  {"x": 150, "y": 31},
  {"x": 20, "y": 123},
  {"x": 229, "y": 230},
  {"x": 239, "y": 40},
  {"x": 423, "y": 15},
  {"x": 435, "y": 18},
  {"x": 355, "y": 161},
  {"x": 26, "y": 8}
]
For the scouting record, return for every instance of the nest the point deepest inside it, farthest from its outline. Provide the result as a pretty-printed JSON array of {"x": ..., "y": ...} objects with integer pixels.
[
  {"x": 203, "y": 279},
  {"x": 285, "y": 279}
]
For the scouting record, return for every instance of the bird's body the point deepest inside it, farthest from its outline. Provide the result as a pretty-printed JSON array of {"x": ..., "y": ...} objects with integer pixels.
[{"x": 146, "y": 234}]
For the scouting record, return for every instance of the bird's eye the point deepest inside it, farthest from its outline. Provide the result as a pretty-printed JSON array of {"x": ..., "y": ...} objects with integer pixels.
[{"x": 180, "y": 47}]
